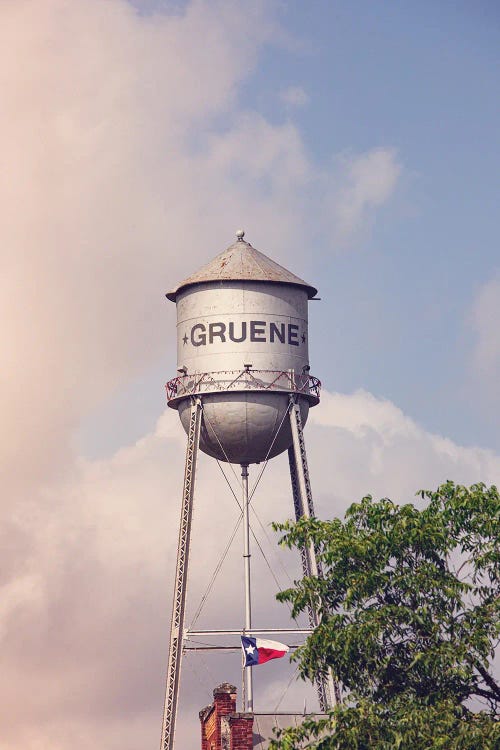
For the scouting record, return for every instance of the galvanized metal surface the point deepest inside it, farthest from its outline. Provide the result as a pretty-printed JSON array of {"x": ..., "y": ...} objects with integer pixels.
[
  {"x": 304, "y": 508},
  {"x": 297, "y": 506},
  {"x": 252, "y": 631},
  {"x": 243, "y": 396},
  {"x": 244, "y": 347},
  {"x": 247, "y": 671},
  {"x": 184, "y": 386},
  {"x": 242, "y": 262},
  {"x": 225, "y": 328},
  {"x": 180, "y": 587},
  {"x": 244, "y": 427}
]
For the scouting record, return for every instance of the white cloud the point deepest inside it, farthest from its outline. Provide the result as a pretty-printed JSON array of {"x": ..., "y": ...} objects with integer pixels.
[
  {"x": 383, "y": 452},
  {"x": 100, "y": 556},
  {"x": 102, "y": 195},
  {"x": 485, "y": 320},
  {"x": 294, "y": 96},
  {"x": 116, "y": 178},
  {"x": 368, "y": 181}
]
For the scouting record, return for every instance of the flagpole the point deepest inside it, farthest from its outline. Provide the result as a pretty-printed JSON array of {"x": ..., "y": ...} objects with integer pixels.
[{"x": 248, "y": 701}]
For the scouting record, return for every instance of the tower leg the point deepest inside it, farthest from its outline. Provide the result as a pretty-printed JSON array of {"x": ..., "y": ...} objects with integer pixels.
[
  {"x": 304, "y": 507},
  {"x": 178, "y": 607}
]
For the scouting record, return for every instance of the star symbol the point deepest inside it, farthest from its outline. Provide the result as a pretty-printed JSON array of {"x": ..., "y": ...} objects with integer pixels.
[
  {"x": 185, "y": 339},
  {"x": 250, "y": 649},
  {"x": 303, "y": 337}
]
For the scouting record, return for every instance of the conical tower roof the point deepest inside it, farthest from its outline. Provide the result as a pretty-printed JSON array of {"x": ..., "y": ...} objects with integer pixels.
[{"x": 242, "y": 262}]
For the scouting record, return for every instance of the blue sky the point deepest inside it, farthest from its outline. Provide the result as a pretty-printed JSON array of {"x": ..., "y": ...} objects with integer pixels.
[
  {"x": 397, "y": 298},
  {"x": 423, "y": 79}
]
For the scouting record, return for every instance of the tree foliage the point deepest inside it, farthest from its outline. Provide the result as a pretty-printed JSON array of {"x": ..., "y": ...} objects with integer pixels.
[{"x": 409, "y": 606}]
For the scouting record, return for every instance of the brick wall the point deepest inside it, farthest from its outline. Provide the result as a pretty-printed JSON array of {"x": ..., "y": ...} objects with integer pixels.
[
  {"x": 222, "y": 728},
  {"x": 241, "y": 731}
]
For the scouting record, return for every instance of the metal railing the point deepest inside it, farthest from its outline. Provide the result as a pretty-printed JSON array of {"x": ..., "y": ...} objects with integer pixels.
[{"x": 286, "y": 381}]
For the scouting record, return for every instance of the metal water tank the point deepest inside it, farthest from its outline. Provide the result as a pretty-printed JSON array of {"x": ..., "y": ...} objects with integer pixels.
[{"x": 242, "y": 345}]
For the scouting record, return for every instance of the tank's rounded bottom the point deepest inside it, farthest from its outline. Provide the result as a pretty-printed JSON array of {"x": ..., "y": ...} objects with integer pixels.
[{"x": 244, "y": 427}]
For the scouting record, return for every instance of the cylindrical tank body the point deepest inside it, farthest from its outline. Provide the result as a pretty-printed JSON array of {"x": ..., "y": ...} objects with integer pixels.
[
  {"x": 242, "y": 345},
  {"x": 228, "y": 325}
]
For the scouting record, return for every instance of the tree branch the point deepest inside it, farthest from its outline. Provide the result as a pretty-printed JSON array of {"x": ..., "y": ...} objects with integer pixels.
[{"x": 495, "y": 689}]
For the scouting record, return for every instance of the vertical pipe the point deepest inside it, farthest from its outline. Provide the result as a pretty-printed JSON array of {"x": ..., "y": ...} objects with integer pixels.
[{"x": 248, "y": 699}]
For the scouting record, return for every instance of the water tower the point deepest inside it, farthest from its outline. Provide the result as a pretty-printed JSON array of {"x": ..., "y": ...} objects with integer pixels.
[{"x": 243, "y": 393}]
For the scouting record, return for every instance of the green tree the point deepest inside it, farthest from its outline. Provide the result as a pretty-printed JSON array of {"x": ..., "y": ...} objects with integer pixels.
[{"x": 409, "y": 605}]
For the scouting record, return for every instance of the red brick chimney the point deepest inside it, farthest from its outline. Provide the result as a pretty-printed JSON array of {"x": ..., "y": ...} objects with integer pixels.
[
  {"x": 241, "y": 731},
  {"x": 222, "y": 728}
]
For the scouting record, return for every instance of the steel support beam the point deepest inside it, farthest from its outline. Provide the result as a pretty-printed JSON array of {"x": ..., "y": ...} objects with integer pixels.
[
  {"x": 304, "y": 507},
  {"x": 261, "y": 631},
  {"x": 178, "y": 607}
]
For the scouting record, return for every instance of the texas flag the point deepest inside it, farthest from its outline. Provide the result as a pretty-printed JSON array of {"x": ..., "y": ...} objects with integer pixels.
[{"x": 258, "y": 650}]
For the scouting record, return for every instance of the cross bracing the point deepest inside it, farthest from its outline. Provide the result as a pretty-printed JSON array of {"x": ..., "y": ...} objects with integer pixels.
[{"x": 181, "y": 638}]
